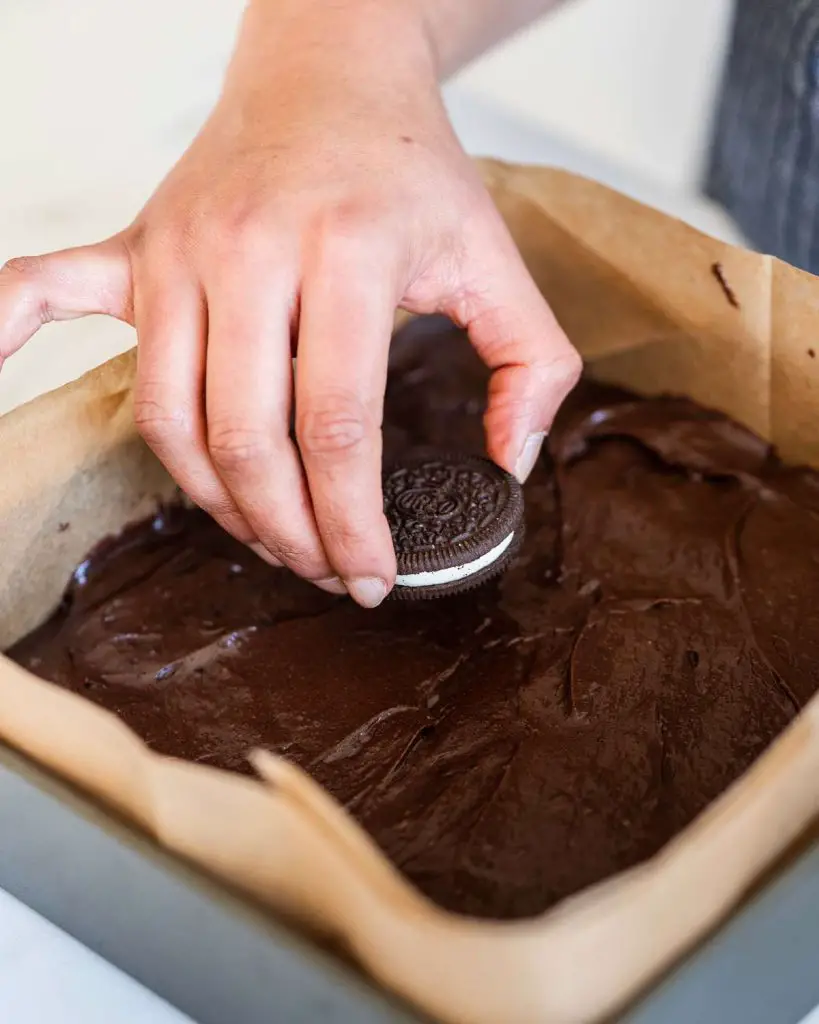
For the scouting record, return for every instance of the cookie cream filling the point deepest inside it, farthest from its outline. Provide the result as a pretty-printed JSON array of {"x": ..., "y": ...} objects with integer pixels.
[{"x": 437, "y": 577}]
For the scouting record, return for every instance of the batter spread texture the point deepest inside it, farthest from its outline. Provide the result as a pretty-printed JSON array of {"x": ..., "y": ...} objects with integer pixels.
[{"x": 511, "y": 745}]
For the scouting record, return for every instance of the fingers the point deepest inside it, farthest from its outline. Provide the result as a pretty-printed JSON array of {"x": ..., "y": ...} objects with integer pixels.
[
  {"x": 516, "y": 334},
  {"x": 63, "y": 285},
  {"x": 348, "y": 303},
  {"x": 169, "y": 405},
  {"x": 249, "y": 393}
]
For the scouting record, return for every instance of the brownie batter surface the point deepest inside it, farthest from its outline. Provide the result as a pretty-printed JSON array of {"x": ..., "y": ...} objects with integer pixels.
[{"x": 508, "y": 747}]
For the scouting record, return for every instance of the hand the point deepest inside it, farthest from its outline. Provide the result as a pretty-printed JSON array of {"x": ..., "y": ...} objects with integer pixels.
[{"x": 326, "y": 189}]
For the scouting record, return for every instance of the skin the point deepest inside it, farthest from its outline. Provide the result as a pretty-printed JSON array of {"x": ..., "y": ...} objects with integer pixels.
[{"x": 326, "y": 190}]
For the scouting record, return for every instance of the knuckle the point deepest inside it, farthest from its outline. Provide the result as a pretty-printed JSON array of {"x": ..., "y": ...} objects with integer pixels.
[
  {"x": 137, "y": 237},
  {"x": 345, "y": 220},
  {"x": 158, "y": 247},
  {"x": 239, "y": 223},
  {"x": 304, "y": 562},
  {"x": 352, "y": 230},
  {"x": 221, "y": 508},
  {"x": 164, "y": 243},
  {"x": 243, "y": 241},
  {"x": 23, "y": 280},
  {"x": 22, "y": 267},
  {"x": 208, "y": 233},
  {"x": 290, "y": 552},
  {"x": 336, "y": 425},
  {"x": 564, "y": 371},
  {"x": 574, "y": 367},
  {"x": 206, "y": 494},
  {"x": 299, "y": 554},
  {"x": 243, "y": 223},
  {"x": 160, "y": 423},
  {"x": 349, "y": 534},
  {"x": 235, "y": 445}
]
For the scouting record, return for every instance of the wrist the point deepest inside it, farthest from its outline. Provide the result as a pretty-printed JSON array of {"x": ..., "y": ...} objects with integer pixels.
[{"x": 281, "y": 34}]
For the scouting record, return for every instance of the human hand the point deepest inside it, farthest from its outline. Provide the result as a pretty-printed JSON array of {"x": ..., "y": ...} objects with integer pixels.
[{"x": 326, "y": 190}]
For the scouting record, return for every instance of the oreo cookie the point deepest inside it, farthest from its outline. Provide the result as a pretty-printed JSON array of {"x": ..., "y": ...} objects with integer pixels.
[{"x": 456, "y": 522}]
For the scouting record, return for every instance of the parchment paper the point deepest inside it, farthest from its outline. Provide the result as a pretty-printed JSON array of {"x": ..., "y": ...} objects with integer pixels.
[{"x": 652, "y": 305}]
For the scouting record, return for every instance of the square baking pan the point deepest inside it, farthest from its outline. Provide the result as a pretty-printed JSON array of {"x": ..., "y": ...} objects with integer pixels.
[
  {"x": 219, "y": 959},
  {"x": 183, "y": 935}
]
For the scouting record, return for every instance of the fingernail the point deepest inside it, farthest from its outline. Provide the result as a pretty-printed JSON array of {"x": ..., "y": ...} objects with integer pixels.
[
  {"x": 333, "y": 585},
  {"x": 369, "y": 591},
  {"x": 264, "y": 554},
  {"x": 528, "y": 457}
]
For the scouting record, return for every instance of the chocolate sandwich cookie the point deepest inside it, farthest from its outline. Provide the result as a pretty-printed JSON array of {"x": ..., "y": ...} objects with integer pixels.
[{"x": 456, "y": 521}]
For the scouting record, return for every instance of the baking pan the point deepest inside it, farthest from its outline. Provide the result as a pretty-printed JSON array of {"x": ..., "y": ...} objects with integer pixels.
[
  {"x": 219, "y": 959},
  {"x": 761, "y": 967},
  {"x": 181, "y": 934}
]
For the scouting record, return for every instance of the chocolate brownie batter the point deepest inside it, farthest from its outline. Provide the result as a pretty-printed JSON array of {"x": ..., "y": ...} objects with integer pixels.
[{"x": 512, "y": 745}]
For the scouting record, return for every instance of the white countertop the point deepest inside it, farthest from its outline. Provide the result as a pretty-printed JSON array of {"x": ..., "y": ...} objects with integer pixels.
[
  {"x": 87, "y": 132},
  {"x": 46, "y": 977}
]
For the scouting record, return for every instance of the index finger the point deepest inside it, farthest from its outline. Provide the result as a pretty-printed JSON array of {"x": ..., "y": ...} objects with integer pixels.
[{"x": 534, "y": 366}]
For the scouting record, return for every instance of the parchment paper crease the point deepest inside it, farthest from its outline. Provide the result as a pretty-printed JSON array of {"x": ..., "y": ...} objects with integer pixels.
[{"x": 652, "y": 305}]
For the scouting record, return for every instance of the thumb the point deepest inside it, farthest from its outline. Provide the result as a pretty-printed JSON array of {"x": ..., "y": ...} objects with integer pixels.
[
  {"x": 64, "y": 285},
  {"x": 534, "y": 365}
]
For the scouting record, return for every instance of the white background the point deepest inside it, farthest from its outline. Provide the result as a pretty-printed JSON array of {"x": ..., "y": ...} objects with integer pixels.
[{"x": 631, "y": 80}]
